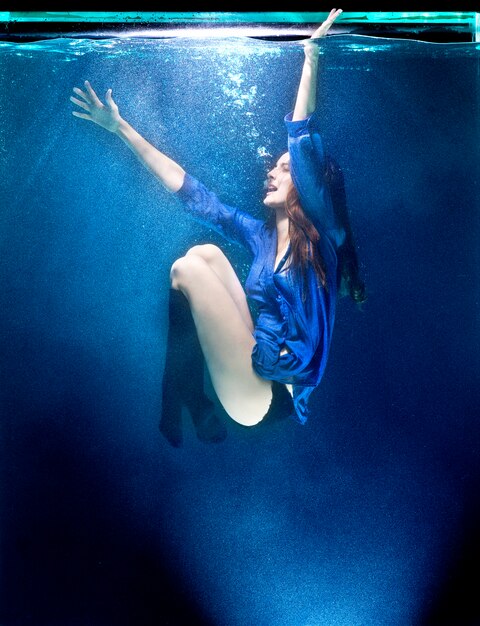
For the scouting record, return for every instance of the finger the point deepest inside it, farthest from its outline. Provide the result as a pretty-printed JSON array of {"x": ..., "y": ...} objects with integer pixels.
[
  {"x": 84, "y": 116},
  {"x": 334, "y": 13},
  {"x": 80, "y": 103},
  {"x": 324, "y": 27},
  {"x": 92, "y": 94},
  {"x": 109, "y": 99},
  {"x": 82, "y": 94}
]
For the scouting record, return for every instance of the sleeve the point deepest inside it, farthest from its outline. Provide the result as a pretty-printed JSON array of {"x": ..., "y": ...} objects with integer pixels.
[
  {"x": 204, "y": 206},
  {"x": 307, "y": 166}
]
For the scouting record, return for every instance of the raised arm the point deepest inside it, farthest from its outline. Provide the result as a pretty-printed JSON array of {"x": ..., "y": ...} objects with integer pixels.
[
  {"x": 168, "y": 172},
  {"x": 305, "y": 145},
  {"x": 306, "y": 96},
  {"x": 202, "y": 204}
]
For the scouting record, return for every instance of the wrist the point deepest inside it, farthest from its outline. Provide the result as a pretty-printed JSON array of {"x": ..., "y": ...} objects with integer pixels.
[
  {"x": 122, "y": 127},
  {"x": 311, "y": 54}
]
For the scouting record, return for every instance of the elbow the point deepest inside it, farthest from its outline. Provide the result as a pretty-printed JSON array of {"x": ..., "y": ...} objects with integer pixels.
[{"x": 175, "y": 181}]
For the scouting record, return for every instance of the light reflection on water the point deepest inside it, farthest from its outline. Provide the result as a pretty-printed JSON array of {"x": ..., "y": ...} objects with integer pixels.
[{"x": 72, "y": 48}]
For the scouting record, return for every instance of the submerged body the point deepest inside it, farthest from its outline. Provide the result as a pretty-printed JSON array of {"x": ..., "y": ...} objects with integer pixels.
[
  {"x": 293, "y": 278},
  {"x": 295, "y": 320}
]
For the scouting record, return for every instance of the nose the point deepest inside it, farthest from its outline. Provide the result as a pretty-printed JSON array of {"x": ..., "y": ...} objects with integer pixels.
[{"x": 269, "y": 179}]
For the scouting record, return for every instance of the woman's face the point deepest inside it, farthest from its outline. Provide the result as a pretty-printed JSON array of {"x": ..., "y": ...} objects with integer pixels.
[{"x": 278, "y": 183}]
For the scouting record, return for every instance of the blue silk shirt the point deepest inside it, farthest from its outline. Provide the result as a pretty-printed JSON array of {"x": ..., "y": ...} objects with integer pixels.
[{"x": 300, "y": 327}]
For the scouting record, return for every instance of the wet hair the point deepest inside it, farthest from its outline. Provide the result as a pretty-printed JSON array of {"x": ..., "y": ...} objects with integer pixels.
[
  {"x": 349, "y": 282},
  {"x": 304, "y": 238}
]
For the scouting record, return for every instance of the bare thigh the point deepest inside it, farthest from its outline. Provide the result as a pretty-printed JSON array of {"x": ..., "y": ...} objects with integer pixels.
[
  {"x": 222, "y": 267},
  {"x": 224, "y": 270},
  {"x": 226, "y": 339}
]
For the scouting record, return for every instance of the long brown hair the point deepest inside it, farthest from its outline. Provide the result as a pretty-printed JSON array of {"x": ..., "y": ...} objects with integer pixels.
[{"x": 304, "y": 238}]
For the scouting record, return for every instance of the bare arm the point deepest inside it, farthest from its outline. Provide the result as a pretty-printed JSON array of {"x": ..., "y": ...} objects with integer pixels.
[
  {"x": 306, "y": 95},
  {"x": 168, "y": 172}
]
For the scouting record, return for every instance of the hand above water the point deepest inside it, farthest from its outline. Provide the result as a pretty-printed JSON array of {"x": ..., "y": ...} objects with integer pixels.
[
  {"x": 321, "y": 31},
  {"x": 106, "y": 116},
  {"x": 324, "y": 27}
]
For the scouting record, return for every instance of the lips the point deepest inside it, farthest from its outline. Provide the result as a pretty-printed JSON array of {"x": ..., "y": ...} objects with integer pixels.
[{"x": 271, "y": 188}]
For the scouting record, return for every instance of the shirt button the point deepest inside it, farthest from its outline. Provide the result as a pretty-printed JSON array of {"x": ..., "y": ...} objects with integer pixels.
[{"x": 279, "y": 298}]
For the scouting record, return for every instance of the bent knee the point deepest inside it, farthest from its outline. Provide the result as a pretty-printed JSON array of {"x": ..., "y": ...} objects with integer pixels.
[
  {"x": 208, "y": 252},
  {"x": 175, "y": 272},
  {"x": 184, "y": 268}
]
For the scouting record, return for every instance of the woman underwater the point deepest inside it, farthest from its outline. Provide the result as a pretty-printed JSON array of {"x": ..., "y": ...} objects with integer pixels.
[{"x": 295, "y": 275}]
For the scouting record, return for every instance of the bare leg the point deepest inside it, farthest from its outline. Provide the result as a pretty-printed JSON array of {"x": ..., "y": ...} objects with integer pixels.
[
  {"x": 224, "y": 331},
  {"x": 222, "y": 267},
  {"x": 219, "y": 263}
]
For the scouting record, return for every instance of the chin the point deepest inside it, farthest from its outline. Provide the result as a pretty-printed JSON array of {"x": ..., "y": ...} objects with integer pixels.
[{"x": 270, "y": 202}]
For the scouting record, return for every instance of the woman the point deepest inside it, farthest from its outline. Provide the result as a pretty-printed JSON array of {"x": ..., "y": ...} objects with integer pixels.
[{"x": 293, "y": 278}]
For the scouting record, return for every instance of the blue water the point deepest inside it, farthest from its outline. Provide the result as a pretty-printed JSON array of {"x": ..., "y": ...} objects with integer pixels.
[{"x": 368, "y": 514}]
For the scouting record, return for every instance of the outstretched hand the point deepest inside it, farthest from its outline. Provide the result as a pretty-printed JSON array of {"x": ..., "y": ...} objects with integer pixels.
[{"x": 106, "y": 116}]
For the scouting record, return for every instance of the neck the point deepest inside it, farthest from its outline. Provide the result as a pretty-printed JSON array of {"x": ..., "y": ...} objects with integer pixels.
[{"x": 281, "y": 221}]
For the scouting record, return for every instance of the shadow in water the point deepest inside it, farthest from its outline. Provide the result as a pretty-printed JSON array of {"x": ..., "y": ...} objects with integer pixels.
[{"x": 183, "y": 380}]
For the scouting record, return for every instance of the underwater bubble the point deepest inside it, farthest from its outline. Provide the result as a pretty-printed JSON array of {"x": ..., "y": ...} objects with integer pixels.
[{"x": 263, "y": 153}]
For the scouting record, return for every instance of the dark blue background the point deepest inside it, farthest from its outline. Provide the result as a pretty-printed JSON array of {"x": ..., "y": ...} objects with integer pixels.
[{"x": 369, "y": 513}]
